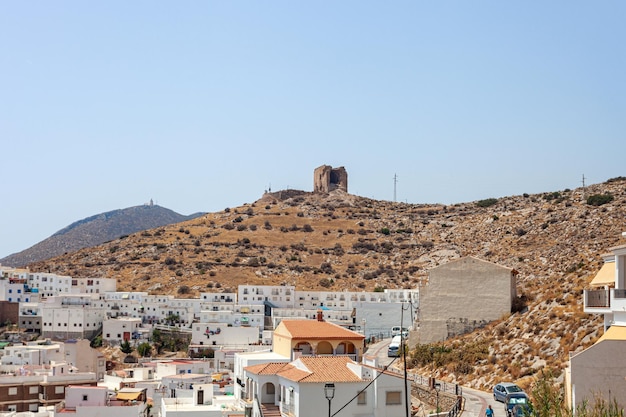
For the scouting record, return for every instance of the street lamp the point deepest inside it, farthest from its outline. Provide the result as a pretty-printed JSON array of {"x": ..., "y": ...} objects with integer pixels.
[
  {"x": 437, "y": 388},
  {"x": 329, "y": 393}
]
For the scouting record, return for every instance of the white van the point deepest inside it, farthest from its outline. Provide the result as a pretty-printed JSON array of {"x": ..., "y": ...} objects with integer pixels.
[
  {"x": 394, "y": 347},
  {"x": 397, "y": 330}
]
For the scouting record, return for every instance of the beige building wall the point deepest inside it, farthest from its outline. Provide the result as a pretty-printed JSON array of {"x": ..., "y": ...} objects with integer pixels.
[
  {"x": 281, "y": 344},
  {"x": 463, "y": 295},
  {"x": 599, "y": 371}
]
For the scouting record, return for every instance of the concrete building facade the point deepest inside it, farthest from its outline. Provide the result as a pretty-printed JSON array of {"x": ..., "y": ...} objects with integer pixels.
[{"x": 463, "y": 295}]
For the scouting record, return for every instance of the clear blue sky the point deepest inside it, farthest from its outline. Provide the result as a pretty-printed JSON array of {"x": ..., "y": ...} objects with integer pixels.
[{"x": 201, "y": 105}]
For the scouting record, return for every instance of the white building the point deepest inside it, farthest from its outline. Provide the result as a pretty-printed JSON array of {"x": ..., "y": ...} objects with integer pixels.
[
  {"x": 42, "y": 353},
  {"x": 30, "y": 316},
  {"x": 600, "y": 370},
  {"x": 200, "y": 405},
  {"x": 223, "y": 335},
  {"x": 99, "y": 402},
  {"x": 297, "y": 388},
  {"x": 115, "y": 331},
  {"x": 77, "y": 316}
]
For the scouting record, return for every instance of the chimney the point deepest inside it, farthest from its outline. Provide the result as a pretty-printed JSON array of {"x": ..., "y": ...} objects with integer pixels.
[{"x": 320, "y": 315}]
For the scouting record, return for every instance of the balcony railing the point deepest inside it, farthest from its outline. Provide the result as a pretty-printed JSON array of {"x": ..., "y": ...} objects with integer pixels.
[
  {"x": 605, "y": 298},
  {"x": 597, "y": 298}
]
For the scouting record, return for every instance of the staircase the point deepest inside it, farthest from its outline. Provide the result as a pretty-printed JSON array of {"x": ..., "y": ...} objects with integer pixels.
[{"x": 270, "y": 410}]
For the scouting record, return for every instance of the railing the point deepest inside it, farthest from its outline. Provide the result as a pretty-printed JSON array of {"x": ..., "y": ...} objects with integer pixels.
[
  {"x": 598, "y": 298},
  {"x": 256, "y": 405},
  {"x": 352, "y": 356},
  {"x": 457, "y": 408},
  {"x": 287, "y": 408}
]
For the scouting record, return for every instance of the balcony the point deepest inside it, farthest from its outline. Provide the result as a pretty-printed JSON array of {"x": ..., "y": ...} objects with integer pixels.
[{"x": 604, "y": 301}]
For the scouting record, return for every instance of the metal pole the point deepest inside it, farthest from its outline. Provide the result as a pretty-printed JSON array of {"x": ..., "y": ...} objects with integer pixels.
[{"x": 402, "y": 342}]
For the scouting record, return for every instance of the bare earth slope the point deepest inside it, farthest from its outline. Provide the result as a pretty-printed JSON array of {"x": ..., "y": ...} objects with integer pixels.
[{"x": 341, "y": 241}]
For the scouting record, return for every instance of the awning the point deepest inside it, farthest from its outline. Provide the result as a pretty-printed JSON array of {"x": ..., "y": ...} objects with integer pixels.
[
  {"x": 129, "y": 396},
  {"x": 613, "y": 333},
  {"x": 606, "y": 275}
]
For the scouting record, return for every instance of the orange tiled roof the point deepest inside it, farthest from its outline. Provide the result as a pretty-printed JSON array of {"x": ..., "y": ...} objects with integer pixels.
[
  {"x": 324, "y": 369},
  {"x": 310, "y": 369},
  {"x": 269, "y": 368},
  {"x": 315, "y": 330}
]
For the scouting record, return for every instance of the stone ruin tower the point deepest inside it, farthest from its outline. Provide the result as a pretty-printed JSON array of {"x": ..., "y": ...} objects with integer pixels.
[{"x": 327, "y": 178}]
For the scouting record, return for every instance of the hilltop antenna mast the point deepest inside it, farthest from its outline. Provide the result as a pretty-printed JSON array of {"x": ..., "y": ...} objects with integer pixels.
[
  {"x": 395, "y": 182},
  {"x": 583, "y": 186}
]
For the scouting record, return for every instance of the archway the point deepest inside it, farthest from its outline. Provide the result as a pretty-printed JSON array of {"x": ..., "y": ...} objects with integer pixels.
[
  {"x": 268, "y": 393},
  {"x": 345, "y": 348},
  {"x": 324, "y": 348},
  {"x": 304, "y": 347}
]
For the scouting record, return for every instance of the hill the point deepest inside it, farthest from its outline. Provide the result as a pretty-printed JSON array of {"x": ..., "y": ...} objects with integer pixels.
[
  {"x": 95, "y": 230},
  {"x": 340, "y": 241}
]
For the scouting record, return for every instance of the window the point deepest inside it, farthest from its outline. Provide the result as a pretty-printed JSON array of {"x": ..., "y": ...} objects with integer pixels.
[
  {"x": 85, "y": 397},
  {"x": 362, "y": 398},
  {"x": 59, "y": 389},
  {"x": 12, "y": 390},
  {"x": 33, "y": 390},
  {"x": 393, "y": 398}
]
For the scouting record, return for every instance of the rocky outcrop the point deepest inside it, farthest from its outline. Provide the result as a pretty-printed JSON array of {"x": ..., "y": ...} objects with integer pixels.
[{"x": 327, "y": 179}]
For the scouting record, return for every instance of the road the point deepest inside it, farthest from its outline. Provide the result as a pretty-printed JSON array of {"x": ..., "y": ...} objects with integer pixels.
[{"x": 476, "y": 401}]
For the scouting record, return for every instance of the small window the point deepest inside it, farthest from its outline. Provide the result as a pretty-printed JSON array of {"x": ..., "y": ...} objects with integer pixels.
[
  {"x": 393, "y": 398},
  {"x": 85, "y": 397},
  {"x": 59, "y": 389},
  {"x": 33, "y": 390},
  {"x": 12, "y": 390},
  {"x": 362, "y": 398}
]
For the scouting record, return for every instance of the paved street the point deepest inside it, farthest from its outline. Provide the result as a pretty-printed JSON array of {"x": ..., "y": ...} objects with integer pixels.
[{"x": 475, "y": 401}]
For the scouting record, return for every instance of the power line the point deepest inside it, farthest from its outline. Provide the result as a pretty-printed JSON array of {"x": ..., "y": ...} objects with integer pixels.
[{"x": 364, "y": 388}]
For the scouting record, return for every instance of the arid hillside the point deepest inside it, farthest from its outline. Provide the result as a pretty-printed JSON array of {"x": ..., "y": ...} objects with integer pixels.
[{"x": 341, "y": 241}]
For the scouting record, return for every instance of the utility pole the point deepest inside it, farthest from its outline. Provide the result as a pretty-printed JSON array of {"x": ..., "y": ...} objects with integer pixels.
[
  {"x": 583, "y": 187},
  {"x": 395, "y": 181}
]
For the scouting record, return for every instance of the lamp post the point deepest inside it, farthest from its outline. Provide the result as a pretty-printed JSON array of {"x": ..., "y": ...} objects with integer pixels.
[
  {"x": 329, "y": 393},
  {"x": 437, "y": 388}
]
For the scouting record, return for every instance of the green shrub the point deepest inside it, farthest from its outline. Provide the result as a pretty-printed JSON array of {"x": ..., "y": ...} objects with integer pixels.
[
  {"x": 599, "y": 199},
  {"x": 487, "y": 202}
]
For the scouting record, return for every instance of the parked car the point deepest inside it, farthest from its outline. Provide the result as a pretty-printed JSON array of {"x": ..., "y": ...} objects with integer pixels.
[
  {"x": 393, "y": 351},
  {"x": 515, "y": 399},
  {"x": 397, "y": 331},
  {"x": 501, "y": 390},
  {"x": 522, "y": 410}
]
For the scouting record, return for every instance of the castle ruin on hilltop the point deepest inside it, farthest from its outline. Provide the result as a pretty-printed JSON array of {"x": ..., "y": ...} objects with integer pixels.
[{"x": 327, "y": 179}]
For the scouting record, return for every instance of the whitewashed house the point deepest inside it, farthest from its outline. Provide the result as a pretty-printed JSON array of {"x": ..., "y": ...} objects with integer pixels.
[{"x": 600, "y": 370}]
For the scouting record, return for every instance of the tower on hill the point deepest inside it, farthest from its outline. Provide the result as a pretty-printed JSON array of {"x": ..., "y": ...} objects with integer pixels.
[{"x": 327, "y": 179}]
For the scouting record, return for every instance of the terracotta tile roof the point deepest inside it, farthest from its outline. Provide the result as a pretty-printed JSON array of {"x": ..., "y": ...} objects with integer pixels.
[
  {"x": 269, "y": 368},
  {"x": 315, "y": 330},
  {"x": 322, "y": 369},
  {"x": 310, "y": 369}
]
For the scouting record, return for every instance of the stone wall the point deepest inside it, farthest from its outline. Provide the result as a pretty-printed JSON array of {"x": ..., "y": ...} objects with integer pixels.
[{"x": 327, "y": 179}]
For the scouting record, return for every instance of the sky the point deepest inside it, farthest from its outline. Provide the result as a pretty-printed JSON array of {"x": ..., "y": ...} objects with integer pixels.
[{"x": 203, "y": 105}]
